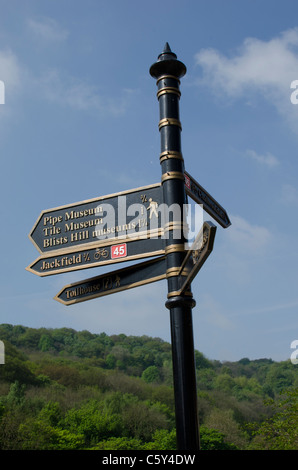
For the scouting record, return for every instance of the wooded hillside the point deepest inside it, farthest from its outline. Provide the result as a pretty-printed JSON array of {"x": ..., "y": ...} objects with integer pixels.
[{"x": 67, "y": 389}]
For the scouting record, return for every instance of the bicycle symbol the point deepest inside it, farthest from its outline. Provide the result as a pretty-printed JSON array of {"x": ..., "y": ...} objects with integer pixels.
[{"x": 101, "y": 253}]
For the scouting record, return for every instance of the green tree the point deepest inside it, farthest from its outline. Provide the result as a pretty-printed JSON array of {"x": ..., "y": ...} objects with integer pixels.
[
  {"x": 280, "y": 432},
  {"x": 46, "y": 343},
  {"x": 211, "y": 439},
  {"x": 281, "y": 376},
  {"x": 119, "y": 443},
  {"x": 111, "y": 361},
  {"x": 16, "y": 395},
  {"x": 142, "y": 421},
  {"x": 38, "y": 435},
  {"x": 222, "y": 420},
  {"x": 224, "y": 382},
  {"x": 91, "y": 421},
  {"x": 162, "y": 439},
  {"x": 15, "y": 367},
  {"x": 30, "y": 339},
  {"x": 51, "y": 413},
  {"x": 151, "y": 375},
  {"x": 201, "y": 361}
]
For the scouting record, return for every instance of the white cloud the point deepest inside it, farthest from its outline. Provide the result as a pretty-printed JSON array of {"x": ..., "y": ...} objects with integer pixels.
[
  {"x": 214, "y": 314},
  {"x": 289, "y": 194},
  {"x": 268, "y": 160},
  {"x": 13, "y": 81},
  {"x": 58, "y": 88},
  {"x": 247, "y": 238},
  {"x": 266, "y": 67},
  {"x": 47, "y": 29},
  {"x": 78, "y": 94},
  {"x": 10, "y": 71}
]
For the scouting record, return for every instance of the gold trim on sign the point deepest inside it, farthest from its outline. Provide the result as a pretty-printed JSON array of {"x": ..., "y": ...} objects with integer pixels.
[
  {"x": 110, "y": 291},
  {"x": 105, "y": 243},
  {"x": 85, "y": 201},
  {"x": 169, "y": 122},
  {"x": 31, "y": 269}
]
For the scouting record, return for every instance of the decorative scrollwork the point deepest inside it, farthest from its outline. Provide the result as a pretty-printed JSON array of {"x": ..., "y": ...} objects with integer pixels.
[{"x": 197, "y": 253}]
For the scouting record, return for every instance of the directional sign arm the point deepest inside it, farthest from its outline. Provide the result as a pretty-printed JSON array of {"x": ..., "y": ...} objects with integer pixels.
[
  {"x": 197, "y": 255},
  {"x": 97, "y": 255},
  {"x": 116, "y": 281},
  {"x": 86, "y": 222},
  {"x": 210, "y": 205}
]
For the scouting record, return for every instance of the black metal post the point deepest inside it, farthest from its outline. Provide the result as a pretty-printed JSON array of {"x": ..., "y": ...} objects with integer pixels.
[{"x": 167, "y": 70}]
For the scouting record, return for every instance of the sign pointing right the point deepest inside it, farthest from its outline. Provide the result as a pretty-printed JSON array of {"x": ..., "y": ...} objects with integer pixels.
[
  {"x": 210, "y": 205},
  {"x": 197, "y": 255}
]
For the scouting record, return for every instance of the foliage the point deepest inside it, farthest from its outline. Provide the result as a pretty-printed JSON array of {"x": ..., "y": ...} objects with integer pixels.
[
  {"x": 65, "y": 390},
  {"x": 211, "y": 439},
  {"x": 280, "y": 432},
  {"x": 151, "y": 374}
]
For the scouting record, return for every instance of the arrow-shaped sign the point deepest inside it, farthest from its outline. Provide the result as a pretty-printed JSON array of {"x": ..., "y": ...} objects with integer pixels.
[
  {"x": 113, "y": 217},
  {"x": 116, "y": 281},
  {"x": 197, "y": 255},
  {"x": 98, "y": 255},
  {"x": 210, "y": 205}
]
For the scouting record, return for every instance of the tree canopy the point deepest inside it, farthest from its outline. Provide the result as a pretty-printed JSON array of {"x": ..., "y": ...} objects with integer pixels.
[{"x": 67, "y": 389}]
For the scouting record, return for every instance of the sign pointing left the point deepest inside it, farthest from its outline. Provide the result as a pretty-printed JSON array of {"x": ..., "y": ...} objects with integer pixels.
[
  {"x": 116, "y": 281},
  {"x": 116, "y": 216},
  {"x": 96, "y": 255}
]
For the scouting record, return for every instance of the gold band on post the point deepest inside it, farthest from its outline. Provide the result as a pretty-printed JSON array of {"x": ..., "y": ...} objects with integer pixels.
[
  {"x": 169, "y": 122},
  {"x": 172, "y": 175},
  {"x": 174, "y": 248},
  {"x": 170, "y": 154},
  {"x": 163, "y": 77},
  {"x": 175, "y": 226},
  {"x": 176, "y": 272},
  {"x": 172, "y": 272},
  {"x": 168, "y": 89},
  {"x": 176, "y": 293}
]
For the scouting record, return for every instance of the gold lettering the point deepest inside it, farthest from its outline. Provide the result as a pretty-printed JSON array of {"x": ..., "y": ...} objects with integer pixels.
[
  {"x": 47, "y": 242},
  {"x": 117, "y": 281},
  {"x": 83, "y": 213},
  {"x": 51, "y": 220}
]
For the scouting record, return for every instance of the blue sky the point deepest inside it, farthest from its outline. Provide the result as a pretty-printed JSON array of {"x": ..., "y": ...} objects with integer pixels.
[{"x": 80, "y": 120}]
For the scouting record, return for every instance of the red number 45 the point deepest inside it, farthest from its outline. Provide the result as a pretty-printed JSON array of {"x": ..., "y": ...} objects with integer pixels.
[{"x": 118, "y": 251}]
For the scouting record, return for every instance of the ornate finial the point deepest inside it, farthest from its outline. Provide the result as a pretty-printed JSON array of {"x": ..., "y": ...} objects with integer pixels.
[
  {"x": 167, "y": 48},
  {"x": 166, "y": 52},
  {"x": 167, "y": 63}
]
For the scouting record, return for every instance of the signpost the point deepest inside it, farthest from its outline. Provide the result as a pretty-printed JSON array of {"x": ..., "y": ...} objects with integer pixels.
[
  {"x": 197, "y": 255},
  {"x": 129, "y": 226},
  {"x": 111, "y": 217},
  {"x": 99, "y": 255},
  {"x": 210, "y": 205},
  {"x": 116, "y": 281},
  {"x": 167, "y": 71}
]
